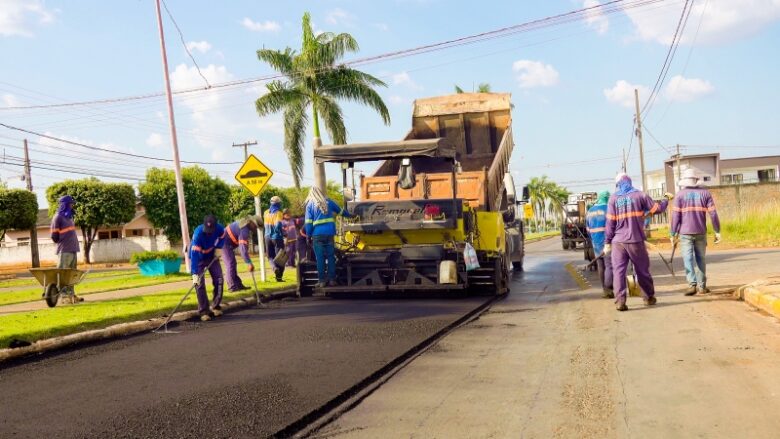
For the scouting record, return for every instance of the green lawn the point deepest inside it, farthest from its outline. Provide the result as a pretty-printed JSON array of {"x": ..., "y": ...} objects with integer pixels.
[
  {"x": 69, "y": 319},
  {"x": 542, "y": 234},
  {"x": 30, "y": 281},
  {"x": 753, "y": 229},
  {"x": 101, "y": 282},
  {"x": 29, "y": 294}
]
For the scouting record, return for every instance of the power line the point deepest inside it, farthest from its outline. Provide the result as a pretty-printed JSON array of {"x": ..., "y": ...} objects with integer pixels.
[
  {"x": 669, "y": 57},
  {"x": 610, "y": 7},
  {"x": 656, "y": 140},
  {"x": 184, "y": 43}
]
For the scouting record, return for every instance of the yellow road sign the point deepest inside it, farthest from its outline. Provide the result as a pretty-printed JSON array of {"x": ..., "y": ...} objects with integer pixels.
[
  {"x": 528, "y": 210},
  {"x": 254, "y": 175}
]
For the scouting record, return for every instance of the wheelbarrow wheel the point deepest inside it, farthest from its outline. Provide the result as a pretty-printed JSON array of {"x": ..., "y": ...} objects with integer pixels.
[{"x": 51, "y": 295}]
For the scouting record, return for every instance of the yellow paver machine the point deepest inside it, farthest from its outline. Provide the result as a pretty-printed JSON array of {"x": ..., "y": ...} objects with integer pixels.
[{"x": 441, "y": 201}]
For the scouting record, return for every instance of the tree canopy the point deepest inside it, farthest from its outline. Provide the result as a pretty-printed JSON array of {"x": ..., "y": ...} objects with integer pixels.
[
  {"x": 547, "y": 197},
  {"x": 18, "y": 210},
  {"x": 314, "y": 80},
  {"x": 97, "y": 204},
  {"x": 242, "y": 202},
  {"x": 204, "y": 195}
]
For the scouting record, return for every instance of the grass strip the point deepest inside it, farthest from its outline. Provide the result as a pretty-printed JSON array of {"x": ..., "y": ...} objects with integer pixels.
[
  {"x": 538, "y": 235},
  {"x": 63, "y": 320}
]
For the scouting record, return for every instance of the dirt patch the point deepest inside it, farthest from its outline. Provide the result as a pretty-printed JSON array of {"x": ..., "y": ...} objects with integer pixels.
[{"x": 587, "y": 395}]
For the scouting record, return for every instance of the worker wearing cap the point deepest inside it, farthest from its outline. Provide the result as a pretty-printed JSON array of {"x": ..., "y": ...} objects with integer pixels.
[
  {"x": 689, "y": 226},
  {"x": 237, "y": 235},
  {"x": 274, "y": 235},
  {"x": 625, "y": 236},
  {"x": 63, "y": 233},
  {"x": 208, "y": 237},
  {"x": 596, "y": 221},
  {"x": 320, "y": 225}
]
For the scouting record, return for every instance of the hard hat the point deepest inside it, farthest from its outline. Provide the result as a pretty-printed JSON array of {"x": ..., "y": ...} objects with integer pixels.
[
  {"x": 689, "y": 174},
  {"x": 276, "y": 200}
]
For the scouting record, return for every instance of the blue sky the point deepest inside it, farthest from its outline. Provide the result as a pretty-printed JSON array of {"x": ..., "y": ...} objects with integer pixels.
[{"x": 571, "y": 85}]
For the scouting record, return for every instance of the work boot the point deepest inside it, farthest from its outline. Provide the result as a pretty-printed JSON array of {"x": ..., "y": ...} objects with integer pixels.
[
  {"x": 621, "y": 307},
  {"x": 691, "y": 290},
  {"x": 319, "y": 285},
  {"x": 205, "y": 317},
  {"x": 217, "y": 311},
  {"x": 333, "y": 283},
  {"x": 608, "y": 294},
  {"x": 704, "y": 290},
  {"x": 650, "y": 301}
]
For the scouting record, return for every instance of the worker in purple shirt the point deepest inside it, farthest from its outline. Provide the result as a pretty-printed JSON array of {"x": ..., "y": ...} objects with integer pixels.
[
  {"x": 63, "y": 233},
  {"x": 208, "y": 237},
  {"x": 237, "y": 235},
  {"x": 625, "y": 238},
  {"x": 689, "y": 226},
  {"x": 290, "y": 236}
]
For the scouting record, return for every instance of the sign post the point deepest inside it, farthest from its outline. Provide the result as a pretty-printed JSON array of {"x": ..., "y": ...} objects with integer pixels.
[{"x": 254, "y": 175}]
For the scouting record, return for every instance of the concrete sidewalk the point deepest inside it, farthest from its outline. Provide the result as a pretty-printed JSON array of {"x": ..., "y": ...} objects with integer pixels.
[{"x": 117, "y": 294}]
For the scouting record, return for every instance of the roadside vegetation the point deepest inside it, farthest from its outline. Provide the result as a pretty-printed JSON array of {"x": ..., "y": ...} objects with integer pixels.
[
  {"x": 69, "y": 319},
  {"x": 541, "y": 235}
]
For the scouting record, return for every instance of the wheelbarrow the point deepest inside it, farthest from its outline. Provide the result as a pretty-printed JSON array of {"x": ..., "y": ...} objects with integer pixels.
[{"x": 57, "y": 281}]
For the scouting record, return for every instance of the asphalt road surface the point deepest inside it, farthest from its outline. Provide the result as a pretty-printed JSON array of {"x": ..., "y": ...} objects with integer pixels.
[
  {"x": 247, "y": 374},
  {"x": 554, "y": 360}
]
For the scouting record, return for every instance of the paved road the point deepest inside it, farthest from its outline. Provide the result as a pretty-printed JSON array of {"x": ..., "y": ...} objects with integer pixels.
[
  {"x": 555, "y": 361},
  {"x": 248, "y": 374}
]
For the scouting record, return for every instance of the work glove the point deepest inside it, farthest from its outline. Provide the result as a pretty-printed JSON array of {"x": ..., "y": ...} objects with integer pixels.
[
  {"x": 674, "y": 239},
  {"x": 669, "y": 196},
  {"x": 717, "y": 237},
  {"x": 195, "y": 280},
  {"x": 251, "y": 268},
  {"x": 607, "y": 249}
]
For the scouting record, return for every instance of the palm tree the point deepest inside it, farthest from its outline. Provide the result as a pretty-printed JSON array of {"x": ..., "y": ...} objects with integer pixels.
[
  {"x": 481, "y": 88},
  {"x": 314, "y": 80},
  {"x": 547, "y": 197}
]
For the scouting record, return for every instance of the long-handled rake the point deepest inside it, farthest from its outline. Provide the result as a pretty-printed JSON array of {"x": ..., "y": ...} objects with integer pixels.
[
  {"x": 170, "y": 315},
  {"x": 260, "y": 303}
]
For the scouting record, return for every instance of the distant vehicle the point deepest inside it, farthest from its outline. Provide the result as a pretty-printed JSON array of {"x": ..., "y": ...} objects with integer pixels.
[
  {"x": 573, "y": 229},
  {"x": 254, "y": 173}
]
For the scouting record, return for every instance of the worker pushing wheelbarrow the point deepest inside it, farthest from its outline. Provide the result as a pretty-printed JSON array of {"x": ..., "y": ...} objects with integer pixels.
[{"x": 58, "y": 282}]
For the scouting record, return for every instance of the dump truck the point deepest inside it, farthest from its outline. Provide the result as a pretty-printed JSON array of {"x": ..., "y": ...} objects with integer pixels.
[{"x": 439, "y": 197}]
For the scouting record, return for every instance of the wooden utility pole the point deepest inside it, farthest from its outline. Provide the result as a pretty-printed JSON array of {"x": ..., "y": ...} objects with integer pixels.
[
  {"x": 185, "y": 229},
  {"x": 258, "y": 211},
  {"x": 36, "y": 260},
  {"x": 639, "y": 138}
]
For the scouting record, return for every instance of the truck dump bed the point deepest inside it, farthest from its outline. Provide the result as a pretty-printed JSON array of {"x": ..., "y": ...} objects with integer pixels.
[{"x": 480, "y": 127}]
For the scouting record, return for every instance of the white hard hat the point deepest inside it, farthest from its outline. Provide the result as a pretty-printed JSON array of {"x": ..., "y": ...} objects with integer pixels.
[
  {"x": 689, "y": 174},
  {"x": 620, "y": 176},
  {"x": 275, "y": 200}
]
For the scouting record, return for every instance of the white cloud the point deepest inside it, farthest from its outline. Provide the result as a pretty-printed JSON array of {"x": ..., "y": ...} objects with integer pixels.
[
  {"x": 272, "y": 124},
  {"x": 680, "y": 89},
  {"x": 10, "y": 100},
  {"x": 200, "y": 46},
  {"x": 154, "y": 140},
  {"x": 339, "y": 16},
  {"x": 397, "y": 100},
  {"x": 623, "y": 93},
  {"x": 404, "y": 79},
  {"x": 18, "y": 17},
  {"x": 261, "y": 26},
  {"x": 723, "y": 21},
  {"x": 532, "y": 74},
  {"x": 55, "y": 145},
  {"x": 595, "y": 18}
]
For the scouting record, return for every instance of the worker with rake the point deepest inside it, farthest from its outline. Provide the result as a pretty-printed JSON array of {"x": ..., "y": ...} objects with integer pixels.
[{"x": 208, "y": 237}]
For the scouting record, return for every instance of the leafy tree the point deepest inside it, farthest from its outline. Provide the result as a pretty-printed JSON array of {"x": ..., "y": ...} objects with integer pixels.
[
  {"x": 547, "y": 197},
  {"x": 204, "y": 195},
  {"x": 18, "y": 210},
  {"x": 481, "y": 88},
  {"x": 313, "y": 80},
  {"x": 242, "y": 202},
  {"x": 97, "y": 204}
]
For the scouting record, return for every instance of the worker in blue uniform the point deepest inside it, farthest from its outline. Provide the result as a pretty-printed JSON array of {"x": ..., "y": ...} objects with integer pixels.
[{"x": 320, "y": 225}]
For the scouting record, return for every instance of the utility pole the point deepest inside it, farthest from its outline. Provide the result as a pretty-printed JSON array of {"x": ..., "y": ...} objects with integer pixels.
[
  {"x": 258, "y": 211},
  {"x": 624, "y": 160},
  {"x": 677, "y": 156},
  {"x": 36, "y": 260},
  {"x": 185, "y": 229},
  {"x": 639, "y": 138}
]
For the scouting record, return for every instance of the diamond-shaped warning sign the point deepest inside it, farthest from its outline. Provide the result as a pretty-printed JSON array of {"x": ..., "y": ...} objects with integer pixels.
[{"x": 254, "y": 175}]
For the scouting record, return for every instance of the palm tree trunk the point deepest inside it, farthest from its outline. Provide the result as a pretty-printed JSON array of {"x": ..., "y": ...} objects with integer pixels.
[{"x": 319, "y": 168}]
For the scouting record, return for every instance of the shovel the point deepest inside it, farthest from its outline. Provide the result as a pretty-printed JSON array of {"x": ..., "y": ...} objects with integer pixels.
[
  {"x": 671, "y": 259},
  {"x": 669, "y": 267},
  {"x": 260, "y": 303}
]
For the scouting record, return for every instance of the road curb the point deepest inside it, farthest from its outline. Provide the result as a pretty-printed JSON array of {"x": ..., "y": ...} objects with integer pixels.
[
  {"x": 763, "y": 294},
  {"x": 528, "y": 241},
  {"x": 125, "y": 329}
]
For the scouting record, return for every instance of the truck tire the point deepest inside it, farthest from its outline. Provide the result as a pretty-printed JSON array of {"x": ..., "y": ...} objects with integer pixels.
[
  {"x": 517, "y": 265},
  {"x": 565, "y": 245}
]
